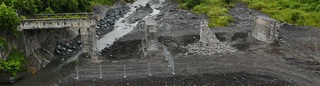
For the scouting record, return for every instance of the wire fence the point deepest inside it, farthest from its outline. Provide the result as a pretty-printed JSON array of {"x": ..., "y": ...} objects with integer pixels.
[
  {"x": 119, "y": 70},
  {"x": 168, "y": 57}
]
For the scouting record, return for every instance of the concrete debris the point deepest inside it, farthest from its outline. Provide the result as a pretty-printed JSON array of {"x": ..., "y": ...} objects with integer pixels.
[{"x": 211, "y": 49}]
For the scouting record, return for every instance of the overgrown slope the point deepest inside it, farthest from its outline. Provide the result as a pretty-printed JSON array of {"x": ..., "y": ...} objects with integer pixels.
[{"x": 297, "y": 12}]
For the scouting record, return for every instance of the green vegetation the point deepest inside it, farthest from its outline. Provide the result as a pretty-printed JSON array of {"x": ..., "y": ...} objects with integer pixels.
[
  {"x": 103, "y": 2},
  {"x": 64, "y": 16},
  {"x": 3, "y": 44},
  {"x": 297, "y": 12},
  {"x": 217, "y": 10},
  {"x": 14, "y": 63},
  {"x": 27, "y": 7},
  {"x": 9, "y": 20}
]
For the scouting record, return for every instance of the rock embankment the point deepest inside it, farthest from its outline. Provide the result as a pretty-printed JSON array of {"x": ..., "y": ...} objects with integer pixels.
[
  {"x": 140, "y": 13},
  {"x": 105, "y": 25},
  {"x": 68, "y": 48}
]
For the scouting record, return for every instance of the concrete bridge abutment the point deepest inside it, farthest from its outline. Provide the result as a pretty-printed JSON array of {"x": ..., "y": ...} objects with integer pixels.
[{"x": 86, "y": 28}]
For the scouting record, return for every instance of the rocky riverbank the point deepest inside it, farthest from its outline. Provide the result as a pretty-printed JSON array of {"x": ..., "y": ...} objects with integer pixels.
[{"x": 106, "y": 24}]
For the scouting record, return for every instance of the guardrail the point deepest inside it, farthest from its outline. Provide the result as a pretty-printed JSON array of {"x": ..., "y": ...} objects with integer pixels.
[
  {"x": 55, "y": 23},
  {"x": 41, "y": 16}
]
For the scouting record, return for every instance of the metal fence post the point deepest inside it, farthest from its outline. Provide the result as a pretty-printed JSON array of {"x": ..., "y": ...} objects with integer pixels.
[
  {"x": 149, "y": 70},
  {"x": 77, "y": 74},
  {"x": 124, "y": 70},
  {"x": 100, "y": 72}
]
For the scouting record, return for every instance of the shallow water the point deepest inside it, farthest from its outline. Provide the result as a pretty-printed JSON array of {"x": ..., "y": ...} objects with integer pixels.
[{"x": 122, "y": 29}]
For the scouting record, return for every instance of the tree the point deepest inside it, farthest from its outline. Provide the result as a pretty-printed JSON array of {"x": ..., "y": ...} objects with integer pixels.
[
  {"x": 14, "y": 62},
  {"x": 26, "y": 6},
  {"x": 8, "y": 18},
  {"x": 84, "y": 5},
  {"x": 48, "y": 11}
]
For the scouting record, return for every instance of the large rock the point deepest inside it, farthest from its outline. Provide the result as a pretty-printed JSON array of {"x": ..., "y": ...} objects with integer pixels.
[{"x": 140, "y": 13}]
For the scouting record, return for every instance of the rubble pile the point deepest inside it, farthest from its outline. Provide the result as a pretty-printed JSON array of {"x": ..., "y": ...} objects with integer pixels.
[{"x": 209, "y": 49}]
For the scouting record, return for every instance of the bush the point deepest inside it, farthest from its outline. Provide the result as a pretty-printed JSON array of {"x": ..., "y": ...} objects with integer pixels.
[
  {"x": 102, "y": 2},
  {"x": 297, "y": 12},
  {"x": 3, "y": 44},
  {"x": 48, "y": 11},
  {"x": 217, "y": 10},
  {"x": 14, "y": 63},
  {"x": 8, "y": 18},
  {"x": 189, "y": 4}
]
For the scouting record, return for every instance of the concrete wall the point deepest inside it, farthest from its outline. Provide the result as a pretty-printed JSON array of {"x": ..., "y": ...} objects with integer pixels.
[
  {"x": 31, "y": 41},
  {"x": 206, "y": 35},
  {"x": 37, "y": 16},
  {"x": 265, "y": 29},
  {"x": 55, "y": 23}
]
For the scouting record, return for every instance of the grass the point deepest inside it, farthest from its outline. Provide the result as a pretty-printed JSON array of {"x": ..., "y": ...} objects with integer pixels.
[
  {"x": 217, "y": 10},
  {"x": 297, "y": 12}
]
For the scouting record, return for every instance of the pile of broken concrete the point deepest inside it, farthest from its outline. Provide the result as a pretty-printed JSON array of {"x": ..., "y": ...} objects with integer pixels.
[
  {"x": 209, "y": 43},
  {"x": 209, "y": 49}
]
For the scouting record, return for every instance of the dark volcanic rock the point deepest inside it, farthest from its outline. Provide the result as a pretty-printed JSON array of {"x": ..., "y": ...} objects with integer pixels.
[
  {"x": 105, "y": 25},
  {"x": 140, "y": 13}
]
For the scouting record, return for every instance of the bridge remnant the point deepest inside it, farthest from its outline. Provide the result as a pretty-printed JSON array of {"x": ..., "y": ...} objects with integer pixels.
[
  {"x": 151, "y": 44},
  {"x": 55, "y": 23},
  {"x": 85, "y": 26},
  {"x": 265, "y": 29}
]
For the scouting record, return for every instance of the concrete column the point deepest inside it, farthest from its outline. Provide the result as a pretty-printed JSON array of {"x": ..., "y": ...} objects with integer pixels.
[
  {"x": 265, "y": 29},
  {"x": 151, "y": 42},
  {"x": 93, "y": 47},
  {"x": 85, "y": 40},
  {"x": 206, "y": 35}
]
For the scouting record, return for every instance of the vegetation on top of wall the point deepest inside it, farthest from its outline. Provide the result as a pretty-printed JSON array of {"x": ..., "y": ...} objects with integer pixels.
[
  {"x": 27, "y": 7},
  {"x": 14, "y": 63},
  {"x": 102, "y": 2},
  {"x": 297, "y": 12},
  {"x": 217, "y": 10},
  {"x": 65, "y": 16}
]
